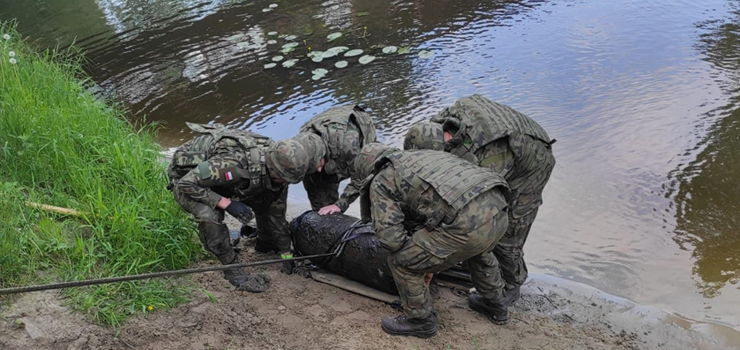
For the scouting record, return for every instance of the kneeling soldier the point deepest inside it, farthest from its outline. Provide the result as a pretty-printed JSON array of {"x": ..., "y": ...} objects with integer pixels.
[
  {"x": 432, "y": 210},
  {"x": 236, "y": 171}
]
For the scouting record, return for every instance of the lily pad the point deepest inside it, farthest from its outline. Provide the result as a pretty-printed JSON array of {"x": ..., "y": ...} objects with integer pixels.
[
  {"x": 290, "y": 63},
  {"x": 266, "y": 9},
  {"x": 390, "y": 49},
  {"x": 317, "y": 59},
  {"x": 328, "y": 54},
  {"x": 319, "y": 73},
  {"x": 272, "y": 33},
  {"x": 426, "y": 54},
  {"x": 338, "y": 49},
  {"x": 340, "y": 64},
  {"x": 316, "y": 53},
  {"x": 277, "y": 58},
  {"x": 287, "y": 49},
  {"x": 334, "y": 36},
  {"x": 404, "y": 49},
  {"x": 270, "y": 65},
  {"x": 366, "y": 59},
  {"x": 290, "y": 45},
  {"x": 291, "y": 37},
  {"x": 272, "y": 6},
  {"x": 352, "y": 53},
  {"x": 271, "y": 42}
]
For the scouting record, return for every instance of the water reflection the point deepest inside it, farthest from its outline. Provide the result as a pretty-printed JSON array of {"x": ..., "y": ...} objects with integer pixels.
[{"x": 707, "y": 192}]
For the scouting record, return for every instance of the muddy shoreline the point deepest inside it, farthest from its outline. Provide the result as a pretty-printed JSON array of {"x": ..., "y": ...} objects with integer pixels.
[{"x": 299, "y": 313}]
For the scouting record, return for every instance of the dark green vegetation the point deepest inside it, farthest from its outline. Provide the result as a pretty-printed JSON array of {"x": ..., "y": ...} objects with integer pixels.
[{"x": 60, "y": 145}]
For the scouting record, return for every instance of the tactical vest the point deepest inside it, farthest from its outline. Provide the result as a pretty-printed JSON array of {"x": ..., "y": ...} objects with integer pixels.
[
  {"x": 456, "y": 180},
  {"x": 203, "y": 148},
  {"x": 332, "y": 124},
  {"x": 482, "y": 121}
]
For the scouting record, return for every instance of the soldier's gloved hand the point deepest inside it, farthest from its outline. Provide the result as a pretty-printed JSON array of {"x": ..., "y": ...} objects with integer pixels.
[{"x": 240, "y": 211}]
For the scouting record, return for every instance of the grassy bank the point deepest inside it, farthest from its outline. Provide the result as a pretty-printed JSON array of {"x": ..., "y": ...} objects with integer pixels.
[{"x": 60, "y": 145}]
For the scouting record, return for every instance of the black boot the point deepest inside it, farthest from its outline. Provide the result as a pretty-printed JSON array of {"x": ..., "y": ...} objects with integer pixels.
[
  {"x": 498, "y": 313},
  {"x": 418, "y": 327},
  {"x": 236, "y": 276},
  {"x": 512, "y": 295},
  {"x": 263, "y": 246}
]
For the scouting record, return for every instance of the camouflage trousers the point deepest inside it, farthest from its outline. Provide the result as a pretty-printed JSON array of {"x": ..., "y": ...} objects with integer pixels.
[
  {"x": 322, "y": 189},
  {"x": 269, "y": 211},
  {"x": 509, "y": 250},
  {"x": 469, "y": 238}
]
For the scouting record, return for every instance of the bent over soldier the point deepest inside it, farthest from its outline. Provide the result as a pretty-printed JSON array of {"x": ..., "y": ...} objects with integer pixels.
[
  {"x": 432, "y": 210},
  {"x": 244, "y": 174},
  {"x": 510, "y": 143},
  {"x": 343, "y": 131}
]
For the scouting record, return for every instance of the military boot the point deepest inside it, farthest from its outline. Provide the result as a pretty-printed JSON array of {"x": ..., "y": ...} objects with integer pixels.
[
  {"x": 236, "y": 276},
  {"x": 498, "y": 313},
  {"x": 264, "y": 246},
  {"x": 402, "y": 325}
]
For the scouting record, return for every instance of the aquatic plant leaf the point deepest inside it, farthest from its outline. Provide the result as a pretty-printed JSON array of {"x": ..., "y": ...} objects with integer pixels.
[
  {"x": 291, "y": 37},
  {"x": 319, "y": 73},
  {"x": 338, "y": 49},
  {"x": 426, "y": 54},
  {"x": 366, "y": 59},
  {"x": 290, "y": 45},
  {"x": 334, "y": 36},
  {"x": 270, "y": 65},
  {"x": 404, "y": 49},
  {"x": 390, "y": 49},
  {"x": 266, "y": 9},
  {"x": 290, "y": 63},
  {"x": 272, "y": 33},
  {"x": 328, "y": 54},
  {"x": 277, "y": 58},
  {"x": 352, "y": 53},
  {"x": 272, "y": 6},
  {"x": 316, "y": 53},
  {"x": 341, "y": 64},
  {"x": 286, "y": 50},
  {"x": 271, "y": 42},
  {"x": 317, "y": 59},
  {"x": 361, "y": 14}
]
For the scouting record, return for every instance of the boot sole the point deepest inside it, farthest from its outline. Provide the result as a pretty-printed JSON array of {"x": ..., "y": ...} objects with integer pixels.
[
  {"x": 424, "y": 335},
  {"x": 490, "y": 318}
]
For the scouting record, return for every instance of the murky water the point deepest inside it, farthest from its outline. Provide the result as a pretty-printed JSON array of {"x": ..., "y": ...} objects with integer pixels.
[{"x": 641, "y": 96}]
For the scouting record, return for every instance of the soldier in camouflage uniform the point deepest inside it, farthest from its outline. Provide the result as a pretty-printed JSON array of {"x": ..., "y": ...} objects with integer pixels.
[
  {"x": 500, "y": 138},
  {"x": 238, "y": 172},
  {"x": 432, "y": 210},
  {"x": 343, "y": 130}
]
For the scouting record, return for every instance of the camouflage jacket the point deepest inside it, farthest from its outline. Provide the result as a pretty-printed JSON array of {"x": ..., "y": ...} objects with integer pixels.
[
  {"x": 422, "y": 189},
  {"x": 221, "y": 163},
  {"x": 344, "y": 130}
]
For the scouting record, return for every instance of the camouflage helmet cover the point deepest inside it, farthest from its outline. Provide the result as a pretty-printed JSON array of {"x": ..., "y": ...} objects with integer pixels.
[
  {"x": 315, "y": 148},
  {"x": 287, "y": 160},
  {"x": 425, "y": 135},
  {"x": 365, "y": 160}
]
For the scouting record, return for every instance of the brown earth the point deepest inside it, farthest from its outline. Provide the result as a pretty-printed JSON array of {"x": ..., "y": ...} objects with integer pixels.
[{"x": 299, "y": 313}]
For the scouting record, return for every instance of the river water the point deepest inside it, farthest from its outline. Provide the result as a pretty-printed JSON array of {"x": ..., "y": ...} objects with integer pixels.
[{"x": 641, "y": 96}]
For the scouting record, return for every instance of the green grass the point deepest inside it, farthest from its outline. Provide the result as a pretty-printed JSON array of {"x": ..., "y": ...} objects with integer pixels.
[{"x": 62, "y": 146}]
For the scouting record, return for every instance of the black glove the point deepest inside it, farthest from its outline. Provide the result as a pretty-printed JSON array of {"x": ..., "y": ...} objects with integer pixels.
[{"x": 240, "y": 211}]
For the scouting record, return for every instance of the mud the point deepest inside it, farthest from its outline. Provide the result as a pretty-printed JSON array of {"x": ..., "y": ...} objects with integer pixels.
[
  {"x": 298, "y": 313},
  {"x": 257, "y": 283},
  {"x": 362, "y": 259}
]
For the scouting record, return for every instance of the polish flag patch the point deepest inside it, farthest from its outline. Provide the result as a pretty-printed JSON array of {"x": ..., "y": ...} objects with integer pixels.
[{"x": 228, "y": 176}]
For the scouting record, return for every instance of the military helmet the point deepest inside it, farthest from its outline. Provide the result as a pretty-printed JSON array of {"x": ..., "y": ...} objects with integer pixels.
[
  {"x": 425, "y": 135},
  {"x": 365, "y": 160},
  {"x": 287, "y": 160},
  {"x": 315, "y": 148}
]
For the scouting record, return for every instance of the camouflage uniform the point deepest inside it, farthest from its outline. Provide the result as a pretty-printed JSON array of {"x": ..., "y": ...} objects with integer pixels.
[
  {"x": 344, "y": 130},
  {"x": 228, "y": 163},
  {"x": 432, "y": 210},
  {"x": 500, "y": 138}
]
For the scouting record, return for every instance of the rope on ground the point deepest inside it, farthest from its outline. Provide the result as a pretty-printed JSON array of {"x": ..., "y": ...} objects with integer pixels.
[{"x": 62, "y": 285}]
